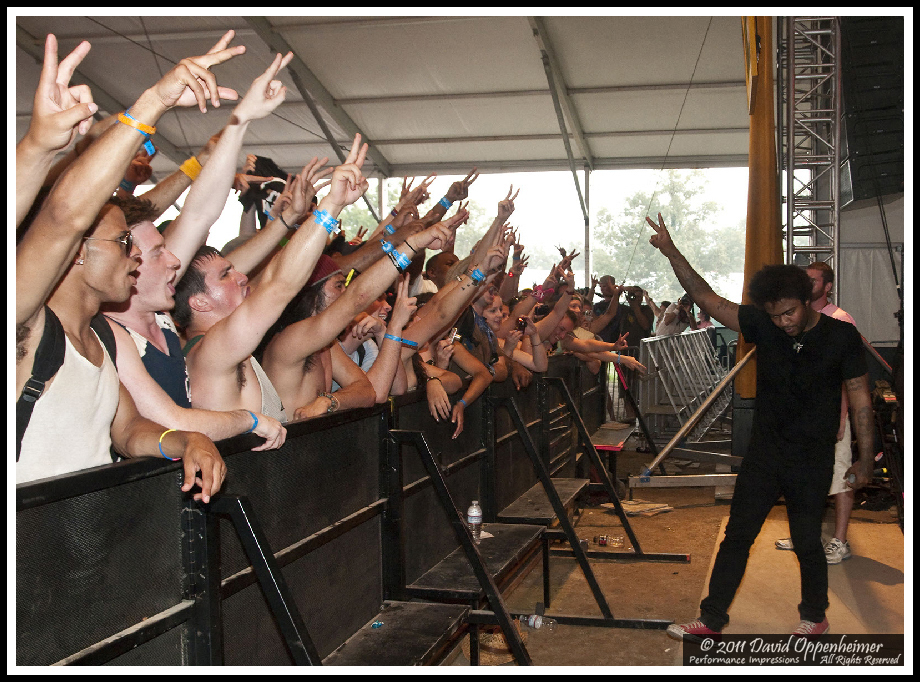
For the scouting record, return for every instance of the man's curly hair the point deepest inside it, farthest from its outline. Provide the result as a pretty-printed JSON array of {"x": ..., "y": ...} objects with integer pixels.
[{"x": 775, "y": 282}]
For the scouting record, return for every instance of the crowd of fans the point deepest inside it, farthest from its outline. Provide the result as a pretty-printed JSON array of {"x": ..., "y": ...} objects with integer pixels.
[{"x": 169, "y": 344}]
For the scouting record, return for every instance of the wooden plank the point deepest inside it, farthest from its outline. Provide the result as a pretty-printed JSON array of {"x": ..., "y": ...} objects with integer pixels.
[
  {"x": 606, "y": 438},
  {"x": 453, "y": 577},
  {"x": 534, "y": 507},
  {"x": 411, "y": 634}
]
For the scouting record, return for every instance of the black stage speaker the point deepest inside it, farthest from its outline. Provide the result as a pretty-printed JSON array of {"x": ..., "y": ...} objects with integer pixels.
[{"x": 872, "y": 125}]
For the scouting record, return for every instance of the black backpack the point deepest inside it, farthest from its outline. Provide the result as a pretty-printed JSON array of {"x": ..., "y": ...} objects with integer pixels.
[{"x": 49, "y": 356}]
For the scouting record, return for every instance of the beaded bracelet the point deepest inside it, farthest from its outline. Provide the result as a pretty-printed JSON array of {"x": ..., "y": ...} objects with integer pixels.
[
  {"x": 255, "y": 422},
  {"x": 332, "y": 225},
  {"x": 445, "y": 202},
  {"x": 160, "y": 446}
]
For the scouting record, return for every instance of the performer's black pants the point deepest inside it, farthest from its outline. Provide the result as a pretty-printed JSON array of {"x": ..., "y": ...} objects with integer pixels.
[{"x": 762, "y": 479}]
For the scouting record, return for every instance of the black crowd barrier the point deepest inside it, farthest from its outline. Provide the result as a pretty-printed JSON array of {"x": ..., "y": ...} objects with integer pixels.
[{"x": 110, "y": 566}]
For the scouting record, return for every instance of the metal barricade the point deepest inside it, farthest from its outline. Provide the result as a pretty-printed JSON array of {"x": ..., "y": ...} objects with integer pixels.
[{"x": 683, "y": 370}]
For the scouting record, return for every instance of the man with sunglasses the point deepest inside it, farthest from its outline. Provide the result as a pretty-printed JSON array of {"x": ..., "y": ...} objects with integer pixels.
[
  {"x": 803, "y": 360},
  {"x": 78, "y": 254}
]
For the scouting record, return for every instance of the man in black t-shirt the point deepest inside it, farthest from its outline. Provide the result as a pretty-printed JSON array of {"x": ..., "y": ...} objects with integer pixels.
[{"x": 803, "y": 358}]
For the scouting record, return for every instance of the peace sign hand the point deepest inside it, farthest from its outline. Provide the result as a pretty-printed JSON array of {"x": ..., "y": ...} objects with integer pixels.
[
  {"x": 190, "y": 82},
  {"x": 348, "y": 184},
  {"x": 506, "y": 206},
  {"x": 265, "y": 93},
  {"x": 460, "y": 188},
  {"x": 59, "y": 110},
  {"x": 661, "y": 240}
]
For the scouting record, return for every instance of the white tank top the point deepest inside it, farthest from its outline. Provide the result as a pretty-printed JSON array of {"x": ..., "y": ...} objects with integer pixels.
[{"x": 71, "y": 423}]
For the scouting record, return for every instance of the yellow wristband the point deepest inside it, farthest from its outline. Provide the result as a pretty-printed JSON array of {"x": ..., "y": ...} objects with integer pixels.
[
  {"x": 191, "y": 167},
  {"x": 143, "y": 127},
  {"x": 160, "y": 445}
]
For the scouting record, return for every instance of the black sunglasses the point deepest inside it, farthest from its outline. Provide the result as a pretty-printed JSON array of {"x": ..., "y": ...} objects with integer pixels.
[{"x": 125, "y": 239}]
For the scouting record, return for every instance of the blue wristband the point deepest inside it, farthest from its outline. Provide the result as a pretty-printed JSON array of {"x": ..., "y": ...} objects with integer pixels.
[
  {"x": 389, "y": 229},
  {"x": 445, "y": 203},
  {"x": 402, "y": 260},
  {"x": 386, "y": 246},
  {"x": 332, "y": 225},
  {"x": 148, "y": 145},
  {"x": 411, "y": 344},
  {"x": 463, "y": 401},
  {"x": 477, "y": 275},
  {"x": 127, "y": 186},
  {"x": 255, "y": 422}
]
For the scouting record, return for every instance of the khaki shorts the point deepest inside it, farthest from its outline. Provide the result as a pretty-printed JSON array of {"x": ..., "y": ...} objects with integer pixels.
[{"x": 843, "y": 460}]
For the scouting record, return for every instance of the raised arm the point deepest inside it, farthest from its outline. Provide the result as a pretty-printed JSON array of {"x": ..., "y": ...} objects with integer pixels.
[
  {"x": 285, "y": 215},
  {"x": 301, "y": 339},
  {"x": 719, "y": 308},
  {"x": 547, "y": 325},
  {"x": 208, "y": 196},
  {"x": 165, "y": 193},
  {"x": 457, "y": 191},
  {"x": 59, "y": 112},
  {"x": 383, "y": 371},
  {"x": 81, "y": 191},
  {"x": 235, "y": 337}
]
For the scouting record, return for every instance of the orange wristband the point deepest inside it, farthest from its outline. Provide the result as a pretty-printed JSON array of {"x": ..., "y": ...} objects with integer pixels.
[{"x": 143, "y": 127}]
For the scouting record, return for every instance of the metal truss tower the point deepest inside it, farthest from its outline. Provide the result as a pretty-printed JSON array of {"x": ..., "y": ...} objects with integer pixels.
[{"x": 809, "y": 114}]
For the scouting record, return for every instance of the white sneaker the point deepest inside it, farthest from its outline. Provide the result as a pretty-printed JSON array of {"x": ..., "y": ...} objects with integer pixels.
[
  {"x": 785, "y": 543},
  {"x": 837, "y": 550}
]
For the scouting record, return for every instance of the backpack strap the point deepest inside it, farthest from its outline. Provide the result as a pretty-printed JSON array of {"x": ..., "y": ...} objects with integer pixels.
[
  {"x": 49, "y": 356},
  {"x": 100, "y": 325}
]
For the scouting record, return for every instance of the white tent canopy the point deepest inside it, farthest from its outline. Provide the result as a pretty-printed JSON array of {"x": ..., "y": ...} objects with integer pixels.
[{"x": 436, "y": 93}]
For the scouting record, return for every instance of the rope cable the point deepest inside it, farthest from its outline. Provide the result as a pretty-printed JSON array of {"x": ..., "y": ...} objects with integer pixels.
[{"x": 665, "y": 161}]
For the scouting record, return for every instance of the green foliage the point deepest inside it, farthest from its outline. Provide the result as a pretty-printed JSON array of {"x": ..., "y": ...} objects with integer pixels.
[{"x": 621, "y": 242}]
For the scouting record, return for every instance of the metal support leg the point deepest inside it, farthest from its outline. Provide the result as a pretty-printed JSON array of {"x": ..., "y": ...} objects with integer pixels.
[
  {"x": 268, "y": 572},
  {"x": 201, "y": 554},
  {"x": 605, "y": 478},
  {"x": 457, "y": 522},
  {"x": 558, "y": 508}
]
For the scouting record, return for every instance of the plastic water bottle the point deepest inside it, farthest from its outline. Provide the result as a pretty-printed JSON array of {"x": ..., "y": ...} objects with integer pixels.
[
  {"x": 537, "y": 622},
  {"x": 474, "y": 520}
]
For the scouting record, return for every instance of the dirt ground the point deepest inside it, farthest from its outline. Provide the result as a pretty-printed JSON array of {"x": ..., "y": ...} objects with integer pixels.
[{"x": 659, "y": 591}]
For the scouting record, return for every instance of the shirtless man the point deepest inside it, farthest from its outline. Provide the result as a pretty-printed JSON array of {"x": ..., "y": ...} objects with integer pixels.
[
  {"x": 225, "y": 318},
  {"x": 149, "y": 359}
]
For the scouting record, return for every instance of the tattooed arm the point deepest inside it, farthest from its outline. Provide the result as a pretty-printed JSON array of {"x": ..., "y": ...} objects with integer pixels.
[
  {"x": 719, "y": 308},
  {"x": 861, "y": 408}
]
